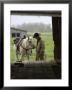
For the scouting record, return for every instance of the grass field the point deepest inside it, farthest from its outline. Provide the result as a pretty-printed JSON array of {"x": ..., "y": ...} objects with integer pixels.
[{"x": 49, "y": 47}]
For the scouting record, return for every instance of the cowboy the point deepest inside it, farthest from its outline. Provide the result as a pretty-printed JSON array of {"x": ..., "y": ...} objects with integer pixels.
[{"x": 40, "y": 48}]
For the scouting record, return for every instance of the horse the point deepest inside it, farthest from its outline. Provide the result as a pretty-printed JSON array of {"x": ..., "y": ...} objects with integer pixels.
[{"x": 24, "y": 48}]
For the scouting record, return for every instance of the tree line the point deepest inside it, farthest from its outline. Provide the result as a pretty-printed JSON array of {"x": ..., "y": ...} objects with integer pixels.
[{"x": 35, "y": 27}]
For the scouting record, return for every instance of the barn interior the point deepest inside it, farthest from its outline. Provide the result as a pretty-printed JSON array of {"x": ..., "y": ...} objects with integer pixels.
[{"x": 41, "y": 70}]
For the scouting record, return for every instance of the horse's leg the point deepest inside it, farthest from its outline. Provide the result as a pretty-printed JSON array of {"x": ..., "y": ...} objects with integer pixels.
[
  {"x": 16, "y": 56},
  {"x": 27, "y": 57},
  {"x": 23, "y": 54},
  {"x": 22, "y": 57},
  {"x": 27, "y": 54}
]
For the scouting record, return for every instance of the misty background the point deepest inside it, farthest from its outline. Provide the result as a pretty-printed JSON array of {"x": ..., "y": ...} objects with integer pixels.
[{"x": 32, "y": 23}]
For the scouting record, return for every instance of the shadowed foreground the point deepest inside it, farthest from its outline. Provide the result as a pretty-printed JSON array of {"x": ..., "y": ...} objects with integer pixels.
[{"x": 35, "y": 70}]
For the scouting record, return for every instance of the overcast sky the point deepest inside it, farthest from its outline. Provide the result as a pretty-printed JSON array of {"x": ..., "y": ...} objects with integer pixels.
[{"x": 18, "y": 20}]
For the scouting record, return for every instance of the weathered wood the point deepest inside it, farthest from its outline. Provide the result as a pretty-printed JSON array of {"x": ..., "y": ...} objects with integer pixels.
[
  {"x": 35, "y": 70},
  {"x": 56, "y": 23}
]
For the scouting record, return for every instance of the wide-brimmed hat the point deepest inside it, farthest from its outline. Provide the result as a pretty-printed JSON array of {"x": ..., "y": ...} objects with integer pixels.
[{"x": 35, "y": 35}]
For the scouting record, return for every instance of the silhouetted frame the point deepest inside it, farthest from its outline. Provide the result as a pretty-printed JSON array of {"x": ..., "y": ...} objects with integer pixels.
[{"x": 2, "y": 2}]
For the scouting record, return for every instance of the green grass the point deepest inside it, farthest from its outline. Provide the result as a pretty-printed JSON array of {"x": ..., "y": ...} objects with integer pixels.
[{"x": 49, "y": 47}]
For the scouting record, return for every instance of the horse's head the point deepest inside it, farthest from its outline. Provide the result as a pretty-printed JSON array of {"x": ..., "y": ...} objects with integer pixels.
[
  {"x": 28, "y": 43},
  {"x": 31, "y": 43},
  {"x": 30, "y": 39}
]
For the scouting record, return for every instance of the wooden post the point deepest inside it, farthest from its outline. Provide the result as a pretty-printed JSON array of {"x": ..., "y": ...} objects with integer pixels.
[{"x": 56, "y": 25}]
